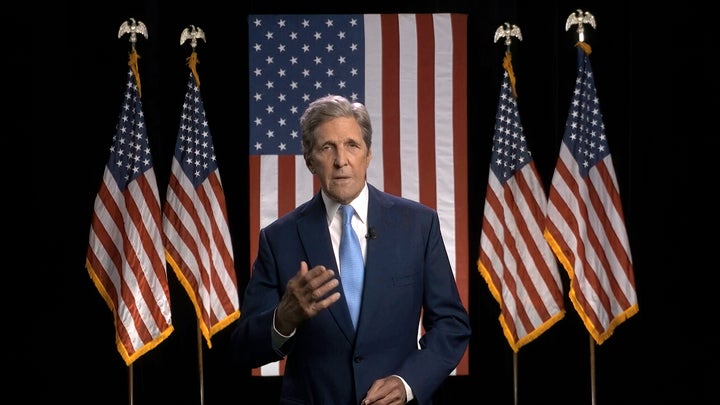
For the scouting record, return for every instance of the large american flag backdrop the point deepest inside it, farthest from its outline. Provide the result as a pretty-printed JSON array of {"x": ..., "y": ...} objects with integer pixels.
[{"x": 410, "y": 70}]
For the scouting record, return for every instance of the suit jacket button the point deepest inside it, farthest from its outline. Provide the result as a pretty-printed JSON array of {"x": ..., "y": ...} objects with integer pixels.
[{"x": 357, "y": 359}]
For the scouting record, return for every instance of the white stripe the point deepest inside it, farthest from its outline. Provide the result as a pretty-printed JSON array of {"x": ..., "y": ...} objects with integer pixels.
[
  {"x": 303, "y": 181},
  {"x": 373, "y": 95},
  {"x": 270, "y": 369},
  {"x": 408, "y": 107},
  {"x": 268, "y": 189},
  {"x": 444, "y": 135}
]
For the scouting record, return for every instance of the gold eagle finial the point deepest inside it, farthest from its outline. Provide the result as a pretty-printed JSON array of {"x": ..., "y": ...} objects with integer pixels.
[
  {"x": 133, "y": 28},
  {"x": 580, "y": 18},
  {"x": 508, "y": 31},
  {"x": 192, "y": 33}
]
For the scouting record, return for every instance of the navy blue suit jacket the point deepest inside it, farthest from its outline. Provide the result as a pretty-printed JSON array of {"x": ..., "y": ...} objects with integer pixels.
[{"x": 407, "y": 275}]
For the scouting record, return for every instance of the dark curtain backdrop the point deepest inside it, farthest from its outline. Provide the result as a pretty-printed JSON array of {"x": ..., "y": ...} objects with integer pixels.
[{"x": 656, "y": 82}]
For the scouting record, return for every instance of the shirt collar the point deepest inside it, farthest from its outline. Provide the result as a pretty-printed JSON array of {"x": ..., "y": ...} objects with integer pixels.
[{"x": 359, "y": 204}]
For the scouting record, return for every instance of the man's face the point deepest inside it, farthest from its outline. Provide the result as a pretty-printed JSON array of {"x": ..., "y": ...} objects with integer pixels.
[{"x": 340, "y": 159}]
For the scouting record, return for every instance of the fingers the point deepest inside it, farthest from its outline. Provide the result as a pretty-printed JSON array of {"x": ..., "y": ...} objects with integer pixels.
[
  {"x": 386, "y": 391},
  {"x": 303, "y": 268},
  {"x": 311, "y": 290},
  {"x": 325, "y": 303},
  {"x": 308, "y": 292},
  {"x": 320, "y": 282}
]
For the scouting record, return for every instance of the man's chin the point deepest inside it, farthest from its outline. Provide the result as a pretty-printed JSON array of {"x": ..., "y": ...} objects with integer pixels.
[{"x": 343, "y": 191}]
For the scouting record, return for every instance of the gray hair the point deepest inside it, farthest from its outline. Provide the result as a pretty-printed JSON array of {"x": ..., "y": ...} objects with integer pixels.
[{"x": 327, "y": 108}]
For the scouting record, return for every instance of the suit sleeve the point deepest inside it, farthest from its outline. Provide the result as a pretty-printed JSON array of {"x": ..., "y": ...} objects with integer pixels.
[
  {"x": 252, "y": 338},
  {"x": 445, "y": 322}
]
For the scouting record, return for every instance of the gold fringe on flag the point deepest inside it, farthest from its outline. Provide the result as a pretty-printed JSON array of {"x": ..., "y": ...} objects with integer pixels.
[
  {"x": 585, "y": 47},
  {"x": 507, "y": 64},
  {"x": 133, "y": 63},
  {"x": 192, "y": 62}
]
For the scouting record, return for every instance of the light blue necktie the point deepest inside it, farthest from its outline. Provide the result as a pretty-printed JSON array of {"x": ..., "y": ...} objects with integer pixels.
[{"x": 351, "y": 264}]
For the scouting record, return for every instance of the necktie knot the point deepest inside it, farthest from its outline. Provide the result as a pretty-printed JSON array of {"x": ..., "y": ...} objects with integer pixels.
[{"x": 348, "y": 212}]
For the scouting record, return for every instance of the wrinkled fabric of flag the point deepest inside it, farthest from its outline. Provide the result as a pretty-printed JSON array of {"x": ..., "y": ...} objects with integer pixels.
[
  {"x": 585, "y": 221},
  {"x": 125, "y": 252},
  {"x": 515, "y": 260},
  {"x": 198, "y": 245}
]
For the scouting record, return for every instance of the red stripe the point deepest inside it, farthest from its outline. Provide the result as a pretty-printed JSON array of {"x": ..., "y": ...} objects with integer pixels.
[
  {"x": 460, "y": 133},
  {"x": 426, "y": 109},
  {"x": 286, "y": 184},
  {"x": 254, "y": 220},
  {"x": 254, "y": 206},
  {"x": 391, "y": 104}
]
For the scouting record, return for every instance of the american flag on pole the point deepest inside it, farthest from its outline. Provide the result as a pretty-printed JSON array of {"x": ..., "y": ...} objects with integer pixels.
[
  {"x": 410, "y": 70},
  {"x": 125, "y": 252},
  {"x": 585, "y": 222},
  {"x": 515, "y": 260},
  {"x": 198, "y": 245}
]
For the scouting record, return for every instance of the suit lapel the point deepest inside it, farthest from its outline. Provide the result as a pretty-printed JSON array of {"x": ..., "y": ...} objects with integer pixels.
[
  {"x": 381, "y": 219},
  {"x": 315, "y": 238}
]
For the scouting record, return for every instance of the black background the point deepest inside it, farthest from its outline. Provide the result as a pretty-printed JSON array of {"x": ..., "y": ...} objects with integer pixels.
[{"x": 656, "y": 84}]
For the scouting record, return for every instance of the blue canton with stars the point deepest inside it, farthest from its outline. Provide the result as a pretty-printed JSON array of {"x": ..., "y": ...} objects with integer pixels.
[
  {"x": 509, "y": 150},
  {"x": 130, "y": 153},
  {"x": 584, "y": 129},
  {"x": 295, "y": 59},
  {"x": 194, "y": 148}
]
